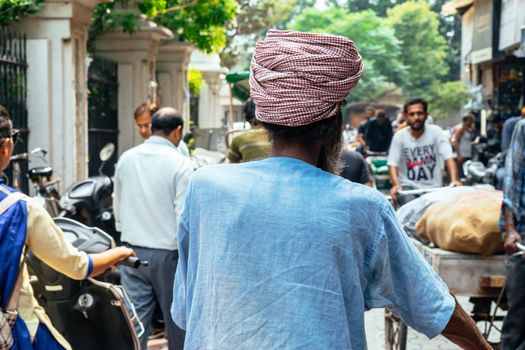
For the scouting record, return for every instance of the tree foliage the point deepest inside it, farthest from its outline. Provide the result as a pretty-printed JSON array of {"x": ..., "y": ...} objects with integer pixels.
[
  {"x": 251, "y": 22},
  {"x": 423, "y": 49},
  {"x": 448, "y": 98},
  {"x": 200, "y": 22},
  {"x": 376, "y": 42},
  {"x": 196, "y": 81},
  {"x": 13, "y": 10}
]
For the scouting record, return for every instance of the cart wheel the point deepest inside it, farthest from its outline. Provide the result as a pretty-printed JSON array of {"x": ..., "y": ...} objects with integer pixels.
[{"x": 395, "y": 332}]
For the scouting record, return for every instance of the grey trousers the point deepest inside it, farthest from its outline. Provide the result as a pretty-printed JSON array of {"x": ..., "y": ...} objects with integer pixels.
[{"x": 152, "y": 284}]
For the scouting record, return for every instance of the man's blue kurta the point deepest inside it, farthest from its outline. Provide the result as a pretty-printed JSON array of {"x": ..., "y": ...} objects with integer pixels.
[{"x": 278, "y": 254}]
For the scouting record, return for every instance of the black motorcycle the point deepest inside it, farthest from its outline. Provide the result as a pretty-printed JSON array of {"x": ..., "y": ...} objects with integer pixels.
[
  {"x": 90, "y": 314},
  {"x": 90, "y": 201}
]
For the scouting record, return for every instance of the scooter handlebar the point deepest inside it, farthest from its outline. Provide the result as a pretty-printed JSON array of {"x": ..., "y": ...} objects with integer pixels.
[{"x": 133, "y": 262}]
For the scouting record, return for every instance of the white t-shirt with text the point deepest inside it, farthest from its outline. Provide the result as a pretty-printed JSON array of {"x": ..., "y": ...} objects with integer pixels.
[{"x": 420, "y": 160}]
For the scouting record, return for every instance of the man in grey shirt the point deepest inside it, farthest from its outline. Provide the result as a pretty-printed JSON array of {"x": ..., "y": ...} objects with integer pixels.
[
  {"x": 150, "y": 184},
  {"x": 417, "y": 152}
]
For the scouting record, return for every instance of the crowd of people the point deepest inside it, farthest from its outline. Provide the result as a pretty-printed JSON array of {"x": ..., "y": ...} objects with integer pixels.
[{"x": 278, "y": 251}]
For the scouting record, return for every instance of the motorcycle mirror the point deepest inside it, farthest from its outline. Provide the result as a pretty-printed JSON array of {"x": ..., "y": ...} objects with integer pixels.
[
  {"x": 38, "y": 150},
  {"x": 107, "y": 151}
]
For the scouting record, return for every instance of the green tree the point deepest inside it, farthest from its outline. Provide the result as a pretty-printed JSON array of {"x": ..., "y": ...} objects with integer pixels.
[
  {"x": 423, "y": 49},
  {"x": 196, "y": 81},
  {"x": 376, "y": 42},
  {"x": 13, "y": 10},
  {"x": 448, "y": 98},
  {"x": 200, "y": 22},
  {"x": 251, "y": 22}
]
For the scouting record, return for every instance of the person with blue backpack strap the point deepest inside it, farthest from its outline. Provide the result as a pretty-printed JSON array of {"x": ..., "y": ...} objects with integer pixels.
[{"x": 24, "y": 224}]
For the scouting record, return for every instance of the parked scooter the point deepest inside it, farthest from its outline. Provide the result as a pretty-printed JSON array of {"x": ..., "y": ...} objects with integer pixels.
[
  {"x": 90, "y": 314},
  {"x": 90, "y": 201},
  {"x": 41, "y": 178},
  {"x": 477, "y": 173}
]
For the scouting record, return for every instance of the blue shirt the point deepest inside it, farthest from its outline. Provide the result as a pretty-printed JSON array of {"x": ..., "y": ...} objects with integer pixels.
[
  {"x": 513, "y": 186},
  {"x": 278, "y": 254},
  {"x": 506, "y": 132}
]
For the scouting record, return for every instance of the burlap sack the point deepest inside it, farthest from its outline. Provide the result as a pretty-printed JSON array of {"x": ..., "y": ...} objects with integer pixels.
[{"x": 466, "y": 223}]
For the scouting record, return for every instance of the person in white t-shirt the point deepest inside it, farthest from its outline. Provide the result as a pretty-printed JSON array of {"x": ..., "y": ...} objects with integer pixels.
[{"x": 417, "y": 153}]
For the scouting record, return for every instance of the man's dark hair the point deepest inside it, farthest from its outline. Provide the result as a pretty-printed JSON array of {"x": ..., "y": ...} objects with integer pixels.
[
  {"x": 416, "y": 101},
  {"x": 166, "y": 120},
  {"x": 249, "y": 110},
  {"x": 6, "y": 127},
  {"x": 328, "y": 129},
  {"x": 468, "y": 116},
  {"x": 381, "y": 114},
  {"x": 150, "y": 108}
]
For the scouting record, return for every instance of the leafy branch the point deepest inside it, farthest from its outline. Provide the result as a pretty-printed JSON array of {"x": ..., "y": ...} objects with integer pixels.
[{"x": 14, "y": 10}]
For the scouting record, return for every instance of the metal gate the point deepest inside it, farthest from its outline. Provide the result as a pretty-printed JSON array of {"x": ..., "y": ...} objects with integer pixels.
[
  {"x": 13, "y": 93},
  {"x": 102, "y": 112}
]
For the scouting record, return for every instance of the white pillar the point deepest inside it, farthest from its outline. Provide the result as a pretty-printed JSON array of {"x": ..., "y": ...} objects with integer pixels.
[
  {"x": 210, "y": 108},
  {"x": 135, "y": 55},
  {"x": 172, "y": 72},
  {"x": 57, "y": 84}
]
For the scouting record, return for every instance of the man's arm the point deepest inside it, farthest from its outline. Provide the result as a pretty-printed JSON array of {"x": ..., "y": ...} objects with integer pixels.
[
  {"x": 511, "y": 193},
  {"x": 462, "y": 331},
  {"x": 394, "y": 180},
  {"x": 453, "y": 170},
  {"x": 457, "y": 136}
]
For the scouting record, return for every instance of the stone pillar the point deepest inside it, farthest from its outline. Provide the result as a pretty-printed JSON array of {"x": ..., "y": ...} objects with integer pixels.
[
  {"x": 57, "y": 84},
  {"x": 210, "y": 108},
  {"x": 135, "y": 55},
  {"x": 172, "y": 73}
]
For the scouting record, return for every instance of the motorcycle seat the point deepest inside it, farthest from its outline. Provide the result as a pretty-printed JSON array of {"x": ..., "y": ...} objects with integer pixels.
[{"x": 41, "y": 171}]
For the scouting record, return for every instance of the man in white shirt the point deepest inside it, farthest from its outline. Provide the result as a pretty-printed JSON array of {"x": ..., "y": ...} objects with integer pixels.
[
  {"x": 150, "y": 184},
  {"x": 143, "y": 117},
  {"x": 417, "y": 153}
]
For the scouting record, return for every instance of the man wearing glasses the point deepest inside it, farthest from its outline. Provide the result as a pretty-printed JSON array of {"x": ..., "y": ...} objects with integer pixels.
[{"x": 417, "y": 152}]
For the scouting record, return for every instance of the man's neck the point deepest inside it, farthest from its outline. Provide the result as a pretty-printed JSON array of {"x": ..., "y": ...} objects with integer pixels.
[
  {"x": 308, "y": 154},
  {"x": 417, "y": 133}
]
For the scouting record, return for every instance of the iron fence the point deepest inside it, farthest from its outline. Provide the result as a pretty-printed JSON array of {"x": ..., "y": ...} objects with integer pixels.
[
  {"x": 13, "y": 91},
  {"x": 102, "y": 112}
]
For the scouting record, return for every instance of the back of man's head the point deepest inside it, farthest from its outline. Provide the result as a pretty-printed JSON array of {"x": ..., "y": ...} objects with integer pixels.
[
  {"x": 289, "y": 72},
  {"x": 165, "y": 120}
]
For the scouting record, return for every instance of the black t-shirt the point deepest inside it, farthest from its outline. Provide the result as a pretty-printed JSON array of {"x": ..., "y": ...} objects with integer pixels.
[
  {"x": 354, "y": 167},
  {"x": 361, "y": 129},
  {"x": 378, "y": 136}
]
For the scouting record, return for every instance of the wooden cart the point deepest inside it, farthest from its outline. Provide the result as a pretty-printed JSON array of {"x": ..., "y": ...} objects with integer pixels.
[{"x": 482, "y": 278}]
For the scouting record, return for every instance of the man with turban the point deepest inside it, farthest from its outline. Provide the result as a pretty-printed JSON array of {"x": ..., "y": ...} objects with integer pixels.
[{"x": 283, "y": 254}]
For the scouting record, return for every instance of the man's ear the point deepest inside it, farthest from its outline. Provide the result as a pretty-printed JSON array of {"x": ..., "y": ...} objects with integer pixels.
[{"x": 4, "y": 149}]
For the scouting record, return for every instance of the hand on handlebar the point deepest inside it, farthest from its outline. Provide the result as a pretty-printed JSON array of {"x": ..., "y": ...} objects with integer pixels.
[
  {"x": 394, "y": 191},
  {"x": 455, "y": 183}
]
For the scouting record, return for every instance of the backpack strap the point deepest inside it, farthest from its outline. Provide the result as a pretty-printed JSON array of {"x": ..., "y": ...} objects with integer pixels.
[
  {"x": 5, "y": 204},
  {"x": 10, "y": 200}
]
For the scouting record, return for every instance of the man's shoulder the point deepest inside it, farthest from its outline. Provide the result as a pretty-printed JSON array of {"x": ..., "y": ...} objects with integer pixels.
[
  {"x": 520, "y": 123},
  {"x": 433, "y": 129},
  {"x": 401, "y": 134},
  {"x": 349, "y": 155}
]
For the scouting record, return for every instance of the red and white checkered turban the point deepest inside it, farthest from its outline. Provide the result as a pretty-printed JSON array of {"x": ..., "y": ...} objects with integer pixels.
[{"x": 300, "y": 78}]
